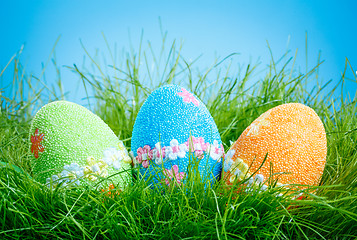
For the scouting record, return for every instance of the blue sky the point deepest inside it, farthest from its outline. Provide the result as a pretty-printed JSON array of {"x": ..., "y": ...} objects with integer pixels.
[{"x": 211, "y": 28}]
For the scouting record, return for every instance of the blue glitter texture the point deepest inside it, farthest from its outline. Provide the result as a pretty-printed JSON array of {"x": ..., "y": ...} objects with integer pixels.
[{"x": 165, "y": 116}]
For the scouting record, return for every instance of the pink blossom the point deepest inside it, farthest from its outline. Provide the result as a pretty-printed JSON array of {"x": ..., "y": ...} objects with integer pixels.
[
  {"x": 146, "y": 163},
  {"x": 199, "y": 153},
  {"x": 201, "y": 141},
  {"x": 139, "y": 158},
  {"x": 147, "y": 151},
  {"x": 144, "y": 155},
  {"x": 188, "y": 97},
  {"x": 173, "y": 174},
  {"x": 160, "y": 151}
]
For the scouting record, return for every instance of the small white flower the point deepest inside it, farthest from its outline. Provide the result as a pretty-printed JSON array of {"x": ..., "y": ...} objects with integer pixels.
[
  {"x": 120, "y": 155},
  {"x": 237, "y": 172},
  {"x": 228, "y": 161},
  {"x": 158, "y": 146},
  {"x": 53, "y": 178},
  {"x": 110, "y": 155},
  {"x": 230, "y": 153},
  {"x": 116, "y": 165},
  {"x": 172, "y": 156},
  {"x": 174, "y": 142},
  {"x": 158, "y": 161},
  {"x": 259, "y": 178},
  {"x": 158, "y": 154},
  {"x": 79, "y": 173},
  {"x": 95, "y": 168},
  {"x": 183, "y": 149},
  {"x": 214, "y": 151},
  {"x": 250, "y": 181},
  {"x": 227, "y": 164},
  {"x": 64, "y": 173},
  {"x": 197, "y": 146}
]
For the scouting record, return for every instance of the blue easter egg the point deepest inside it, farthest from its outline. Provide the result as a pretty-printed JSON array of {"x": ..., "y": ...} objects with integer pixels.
[{"x": 173, "y": 132}]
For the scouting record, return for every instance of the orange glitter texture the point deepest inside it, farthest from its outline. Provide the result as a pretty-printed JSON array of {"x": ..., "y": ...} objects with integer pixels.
[{"x": 293, "y": 136}]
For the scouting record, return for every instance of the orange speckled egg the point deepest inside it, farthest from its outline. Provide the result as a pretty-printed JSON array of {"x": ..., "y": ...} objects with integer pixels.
[{"x": 294, "y": 138}]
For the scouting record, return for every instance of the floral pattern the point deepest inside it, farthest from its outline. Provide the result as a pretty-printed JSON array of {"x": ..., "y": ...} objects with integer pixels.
[
  {"x": 173, "y": 175},
  {"x": 175, "y": 150},
  {"x": 70, "y": 174},
  {"x": 36, "y": 140},
  {"x": 93, "y": 168},
  {"x": 112, "y": 157},
  {"x": 188, "y": 97},
  {"x": 238, "y": 169}
]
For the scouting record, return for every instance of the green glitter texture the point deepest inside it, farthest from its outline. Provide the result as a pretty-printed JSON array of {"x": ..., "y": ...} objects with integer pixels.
[{"x": 72, "y": 133}]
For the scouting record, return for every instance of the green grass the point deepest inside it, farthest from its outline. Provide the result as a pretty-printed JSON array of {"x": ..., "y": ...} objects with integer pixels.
[{"x": 116, "y": 90}]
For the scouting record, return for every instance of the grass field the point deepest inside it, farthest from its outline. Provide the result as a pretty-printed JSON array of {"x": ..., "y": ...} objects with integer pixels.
[{"x": 116, "y": 90}]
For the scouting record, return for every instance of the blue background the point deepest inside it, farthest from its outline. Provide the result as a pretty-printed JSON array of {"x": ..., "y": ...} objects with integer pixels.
[{"x": 212, "y": 28}]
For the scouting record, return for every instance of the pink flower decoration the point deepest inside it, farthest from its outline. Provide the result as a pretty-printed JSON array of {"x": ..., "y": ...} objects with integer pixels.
[
  {"x": 188, "y": 97},
  {"x": 197, "y": 145},
  {"x": 147, "y": 151},
  {"x": 146, "y": 163},
  {"x": 144, "y": 155},
  {"x": 140, "y": 151},
  {"x": 160, "y": 151},
  {"x": 173, "y": 174}
]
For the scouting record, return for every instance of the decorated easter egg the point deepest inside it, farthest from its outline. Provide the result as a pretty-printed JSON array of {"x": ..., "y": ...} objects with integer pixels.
[
  {"x": 291, "y": 137},
  {"x": 173, "y": 132},
  {"x": 71, "y": 145}
]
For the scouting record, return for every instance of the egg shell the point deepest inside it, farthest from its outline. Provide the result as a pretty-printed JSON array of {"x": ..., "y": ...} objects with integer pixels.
[
  {"x": 70, "y": 144},
  {"x": 172, "y": 125},
  {"x": 293, "y": 136}
]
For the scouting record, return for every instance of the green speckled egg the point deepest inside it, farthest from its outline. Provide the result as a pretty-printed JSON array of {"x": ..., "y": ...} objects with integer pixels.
[{"x": 71, "y": 145}]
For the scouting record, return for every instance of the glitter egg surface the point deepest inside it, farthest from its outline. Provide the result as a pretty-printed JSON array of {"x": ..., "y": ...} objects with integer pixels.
[
  {"x": 173, "y": 132},
  {"x": 294, "y": 138},
  {"x": 71, "y": 145}
]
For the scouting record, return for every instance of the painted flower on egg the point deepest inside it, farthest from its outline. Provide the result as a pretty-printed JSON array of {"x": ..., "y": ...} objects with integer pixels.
[
  {"x": 36, "y": 145},
  {"x": 173, "y": 175},
  {"x": 172, "y": 125}
]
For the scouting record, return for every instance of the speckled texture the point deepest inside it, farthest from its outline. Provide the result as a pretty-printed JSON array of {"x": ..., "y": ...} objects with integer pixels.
[
  {"x": 71, "y": 133},
  {"x": 165, "y": 116},
  {"x": 295, "y": 140}
]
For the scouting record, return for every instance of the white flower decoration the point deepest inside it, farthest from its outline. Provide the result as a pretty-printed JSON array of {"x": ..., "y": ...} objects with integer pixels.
[
  {"x": 182, "y": 151},
  {"x": 259, "y": 178},
  {"x": 214, "y": 151},
  {"x": 158, "y": 154},
  {"x": 116, "y": 165},
  {"x": 113, "y": 157},
  {"x": 73, "y": 170},
  {"x": 170, "y": 154},
  {"x": 228, "y": 161}
]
